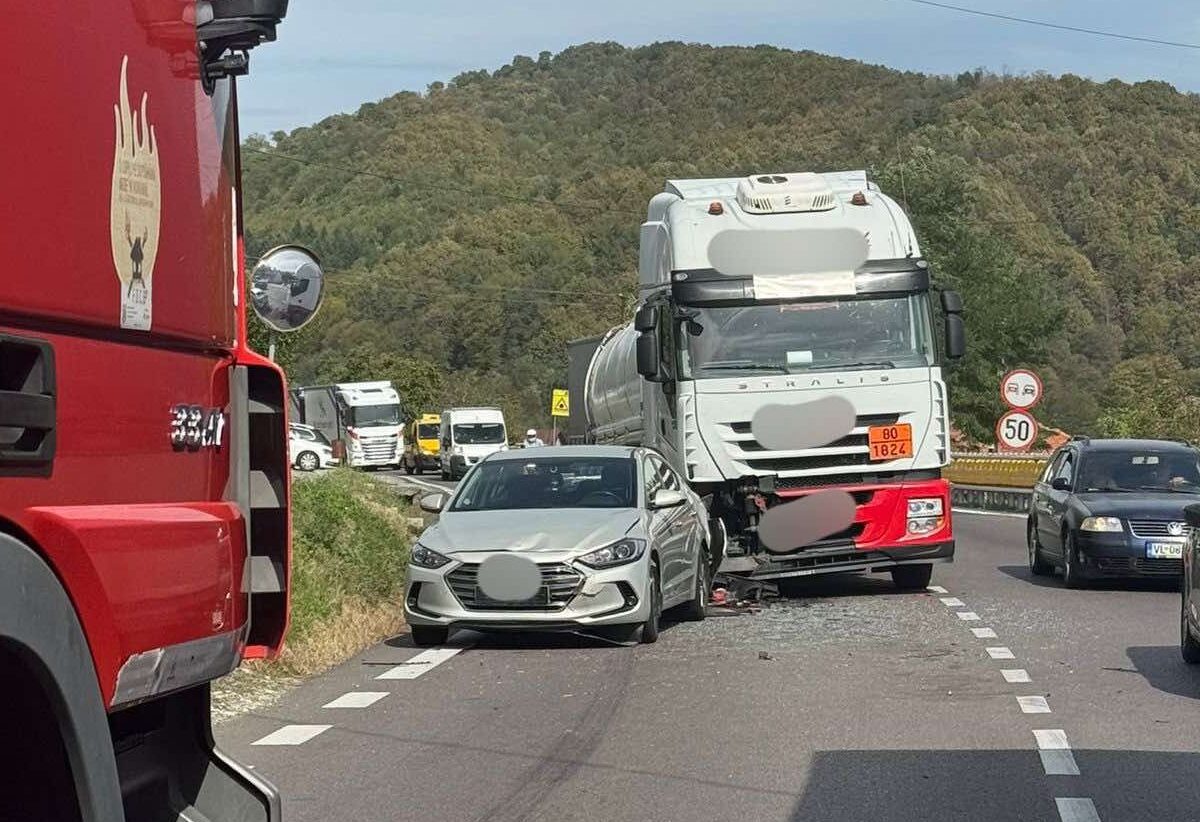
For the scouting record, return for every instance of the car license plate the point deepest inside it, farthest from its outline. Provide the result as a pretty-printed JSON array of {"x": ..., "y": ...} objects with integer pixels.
[
  {"x": 890, "y": 442},
  {"x": 1164, "y": 550},
  {"x": 482, "y": 600}
]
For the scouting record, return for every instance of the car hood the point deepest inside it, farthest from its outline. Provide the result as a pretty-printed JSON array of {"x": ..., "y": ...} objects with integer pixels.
[
  {"x": 540, "y": 530},
  {"x": 1164, "y": 505}
]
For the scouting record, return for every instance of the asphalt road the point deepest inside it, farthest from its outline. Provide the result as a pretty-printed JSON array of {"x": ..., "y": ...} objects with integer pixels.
[{"x": 848, "y": 702}]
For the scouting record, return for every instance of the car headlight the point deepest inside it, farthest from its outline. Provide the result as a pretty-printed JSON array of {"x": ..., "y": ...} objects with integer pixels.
[
  {"x": 423, "y": 557},
  {"x": 1103, "y": 524},
  {"x": 619, "y": 553},
  {"x": 925, "y": 507}
]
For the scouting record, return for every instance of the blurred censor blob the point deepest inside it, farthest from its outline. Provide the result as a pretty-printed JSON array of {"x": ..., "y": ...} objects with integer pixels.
[
  {"x": 808, "y": 425},
  {"x": 792, "y": 264},
  {"x": 793, "y": 525},
  {"x": 509, "y": 578}
]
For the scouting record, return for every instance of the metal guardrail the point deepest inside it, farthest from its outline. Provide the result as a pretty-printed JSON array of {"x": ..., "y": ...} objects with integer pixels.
[{"x": 994, "y": 482}]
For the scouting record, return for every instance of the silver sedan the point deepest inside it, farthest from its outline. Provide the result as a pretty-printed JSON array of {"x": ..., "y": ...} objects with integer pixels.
[{"x": 577, "y": 537}]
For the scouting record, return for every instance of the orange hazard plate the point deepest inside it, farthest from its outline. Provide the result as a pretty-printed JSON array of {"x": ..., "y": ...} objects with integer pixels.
[{"x": 890, "y": 442}]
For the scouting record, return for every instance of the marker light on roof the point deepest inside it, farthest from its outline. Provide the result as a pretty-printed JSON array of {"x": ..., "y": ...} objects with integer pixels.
[
  {"x": 715, "y": 208},
  {"x": 859, "y": 199}
]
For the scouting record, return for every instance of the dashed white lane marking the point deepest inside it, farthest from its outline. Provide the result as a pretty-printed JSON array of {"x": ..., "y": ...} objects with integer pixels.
[
  {"x": 1059, "y": 763},
  {"x": 983, "y": 633},
  {"x": 967, "y": 616},
  {"x": 1033, "y": 704},
  {"x": 419, "y": 664},
  {"x": 1054, "y": 739},
  {"x": 1000, "y": 653},
  {"x": 953, "y": 602},
  {"x": 1076, "y": 810},
  {"x": 936, "y": 589},
  {"x": 293, "y": 735},
  {"x": 356, "y": 699},
  {"x": 1015, "y": 675}
]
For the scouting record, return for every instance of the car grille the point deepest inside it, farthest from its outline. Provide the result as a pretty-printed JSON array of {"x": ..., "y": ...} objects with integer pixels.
[
  {"x": 1120, "y": 566},
  {"x": 380, "y": 448},
  {"x": 560, "y": 583},
  {"x": 1152, "y": 528},
  {"x": 853, "y": 447}
]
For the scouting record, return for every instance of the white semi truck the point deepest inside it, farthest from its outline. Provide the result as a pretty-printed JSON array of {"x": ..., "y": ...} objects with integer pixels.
[
  {"x": 364, "y": 420},
  {"x": 781, "y": 289}
]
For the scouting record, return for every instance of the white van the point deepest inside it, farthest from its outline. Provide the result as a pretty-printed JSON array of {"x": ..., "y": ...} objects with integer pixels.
[{"x": 467, "y": 436}]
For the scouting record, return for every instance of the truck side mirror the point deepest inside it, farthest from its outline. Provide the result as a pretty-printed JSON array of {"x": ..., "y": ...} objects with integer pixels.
[
  {"x": 646, "y": 319},
  {"x": 956, "y": 330},
  {"x": 647, "y": 356}
]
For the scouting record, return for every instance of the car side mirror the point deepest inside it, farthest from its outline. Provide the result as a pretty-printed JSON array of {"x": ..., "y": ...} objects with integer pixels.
[
  {"x": 667, "y": 498},
  {"x": 647, "y": 356},
  {"x": 1060, "y": 484},
  {"x": 1191, "y": 514},
  {"x": 432, "y": 503}
]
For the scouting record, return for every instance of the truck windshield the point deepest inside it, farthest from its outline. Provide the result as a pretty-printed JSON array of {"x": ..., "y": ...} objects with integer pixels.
[
  {"x": 362, "y": 416},
  {"x": 891, "y": 332},
  {"x": 427, "y": 431},
  {"x": 479, "y": 433}
]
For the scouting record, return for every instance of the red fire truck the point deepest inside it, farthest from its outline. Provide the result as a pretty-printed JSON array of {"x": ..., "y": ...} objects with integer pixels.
[{"x": 144, "y": 489}]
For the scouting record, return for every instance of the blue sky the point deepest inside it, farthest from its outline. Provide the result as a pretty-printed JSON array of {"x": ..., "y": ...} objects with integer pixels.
[{"x": 334, "y": 55}]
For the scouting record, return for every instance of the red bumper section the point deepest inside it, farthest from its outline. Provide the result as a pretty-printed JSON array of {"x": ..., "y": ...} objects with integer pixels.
[{"x": 885, "y": 533}]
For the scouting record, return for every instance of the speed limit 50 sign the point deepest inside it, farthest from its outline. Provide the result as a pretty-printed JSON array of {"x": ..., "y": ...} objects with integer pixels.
[{"x": 1016, "y": 431}]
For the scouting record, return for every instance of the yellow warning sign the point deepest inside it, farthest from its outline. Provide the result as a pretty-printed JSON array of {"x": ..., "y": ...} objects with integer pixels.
[{"x": 560, "y": 405}]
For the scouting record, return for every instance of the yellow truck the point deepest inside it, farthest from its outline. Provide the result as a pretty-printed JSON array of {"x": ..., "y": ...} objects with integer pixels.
[{"x": 421, "y": 444}]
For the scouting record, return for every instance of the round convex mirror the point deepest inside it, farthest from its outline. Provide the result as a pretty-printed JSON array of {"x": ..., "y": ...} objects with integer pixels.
[{"x": 286, "y": 287}]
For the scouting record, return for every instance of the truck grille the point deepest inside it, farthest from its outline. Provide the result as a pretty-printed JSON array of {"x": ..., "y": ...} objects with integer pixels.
[
  {"x": 851, "y": 451},
  {"x": 1153, "y": 528},
  {"x": 380, "y": 449},
  {"x": 559, "y": 584}
]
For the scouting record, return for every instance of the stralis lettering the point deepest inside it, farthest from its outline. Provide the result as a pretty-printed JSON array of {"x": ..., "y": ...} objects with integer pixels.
[{"x": 817, "y": 382}]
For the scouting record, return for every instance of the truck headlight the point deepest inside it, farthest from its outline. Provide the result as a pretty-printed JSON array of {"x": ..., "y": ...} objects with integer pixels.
[
  {"x": 925, "y": 507},
  {"x": 423, "y": 557},
  {"x": 1101, "y": 525},
  {"x": 619, "y": 553}
]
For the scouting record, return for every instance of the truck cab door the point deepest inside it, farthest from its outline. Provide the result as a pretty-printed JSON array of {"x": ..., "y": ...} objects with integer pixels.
[{"x": 662, "y": 406}]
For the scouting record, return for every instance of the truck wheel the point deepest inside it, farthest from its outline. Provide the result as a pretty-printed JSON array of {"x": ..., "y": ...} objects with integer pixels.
[
  {"x": 912, "y": 577},
  {"x": 445, "y": 474},
  {"x": 696, "y": 608},
  {"x": 308, "y": 461},
  {"x": 409, "y": 468},
  {"x": 424, "y": 636}
]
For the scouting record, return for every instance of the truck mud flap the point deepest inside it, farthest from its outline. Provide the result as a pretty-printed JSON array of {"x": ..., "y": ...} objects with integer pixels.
[{"x": 170, "y": 768}]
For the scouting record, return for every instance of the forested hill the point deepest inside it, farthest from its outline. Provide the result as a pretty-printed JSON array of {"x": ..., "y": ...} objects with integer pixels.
[{"x": 495, "y": 217}]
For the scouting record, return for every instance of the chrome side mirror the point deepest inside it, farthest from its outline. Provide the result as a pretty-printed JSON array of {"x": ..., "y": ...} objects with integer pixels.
[
  {"x": 287, "y": 287},
  {"x": 432, "y": 503},
  {"x": 667, "y": 498}
]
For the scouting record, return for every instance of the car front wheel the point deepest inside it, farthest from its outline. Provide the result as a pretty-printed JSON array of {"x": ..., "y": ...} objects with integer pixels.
[
  {"x": 1037, "y": 566},
  {"x": 651, "y": 626},
  {"x": 1072, "y": 578},
  {"x": 696, "y": 608},
  {"x": 308, "y": 461},
  {"x": 1189, "y": 647}
]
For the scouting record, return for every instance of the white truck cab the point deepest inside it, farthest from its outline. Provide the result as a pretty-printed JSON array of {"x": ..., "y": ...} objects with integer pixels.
[{"x": 468, "y": 435}]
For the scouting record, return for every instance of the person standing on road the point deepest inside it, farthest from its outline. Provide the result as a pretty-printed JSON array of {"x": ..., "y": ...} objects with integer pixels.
[{"x": 532, "y": 440}]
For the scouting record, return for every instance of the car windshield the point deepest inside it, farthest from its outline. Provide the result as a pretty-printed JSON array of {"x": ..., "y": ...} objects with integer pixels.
[
  {"x": 427, "y": 431},
  {"x": 558, "y": 482},
  {"x": 848, "y": 335},
  {"x": 1140, "y": 471},
  {"x": 479, "y": 433},
  {"x": 362, "y": 416}
]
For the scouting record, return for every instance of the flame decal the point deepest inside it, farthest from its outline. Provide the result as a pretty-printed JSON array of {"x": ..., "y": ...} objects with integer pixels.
[{"x": 136, "y": 205}]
